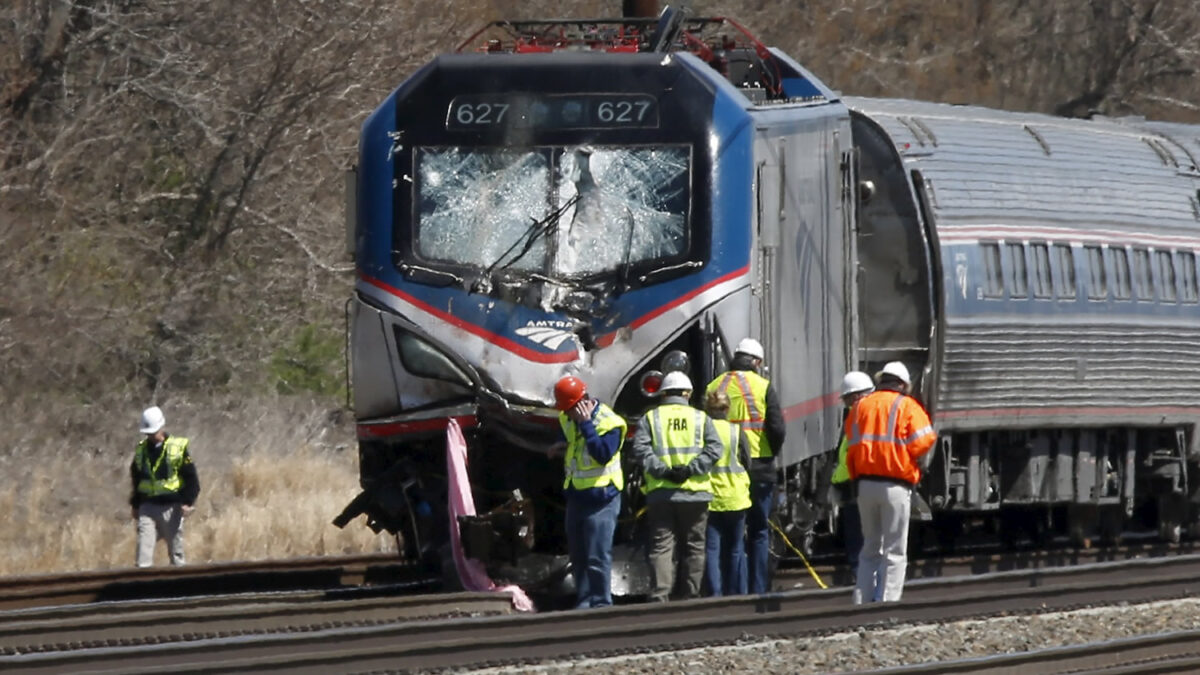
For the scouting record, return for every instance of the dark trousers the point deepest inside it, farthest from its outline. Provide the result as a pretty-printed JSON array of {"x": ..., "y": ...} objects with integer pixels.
[
  {"x": 725, "y": 553},
  {"x": 851, "y": 525},
  {"x": 758, "y": 535},
  {"x": 676, "y": 527},
  {"x": 851, "y": 535},
  {"x": 590, "y": 530}
]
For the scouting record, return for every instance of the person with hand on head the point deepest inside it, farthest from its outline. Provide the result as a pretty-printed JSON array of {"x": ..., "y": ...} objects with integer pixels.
[
  {"x": 165, "y": 487},
  {"x": 593, "y": 435},
  {"x": 725, "y": 549},
  {"x": 754, "y": 404},
  {"x": 855, "y": 385},
  {"x": 887, "y": 434},
  {"x": 676, "y": 445}
]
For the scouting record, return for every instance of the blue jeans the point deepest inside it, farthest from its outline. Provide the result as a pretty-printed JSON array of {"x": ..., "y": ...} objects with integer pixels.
[
  {"x": 758, "y": 535},
  {"x": 725, "y": 553},
  {"x": 590, "y": 530}
]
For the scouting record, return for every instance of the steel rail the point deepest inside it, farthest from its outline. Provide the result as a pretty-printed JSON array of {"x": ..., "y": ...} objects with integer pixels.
[
  {"x": 134, "y": 623},
  {"x": 987, "y": 560},
  {"x": 1171, "y": 652},
  {"x": 519, "y": 638},
  {"x": 156, "y": 582}
]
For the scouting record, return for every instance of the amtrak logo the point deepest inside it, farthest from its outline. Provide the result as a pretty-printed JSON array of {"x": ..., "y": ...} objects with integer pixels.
[{"x": 549, "y": 334}]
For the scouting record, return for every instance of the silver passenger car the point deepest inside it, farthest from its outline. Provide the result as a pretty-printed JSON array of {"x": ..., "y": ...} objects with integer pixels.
[{"x": 1048, "y": 294}]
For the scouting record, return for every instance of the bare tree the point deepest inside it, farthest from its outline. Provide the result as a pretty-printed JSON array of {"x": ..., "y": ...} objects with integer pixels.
[
  {"x": 1066, "y": 58},
  {"x": 172, "y": 179},
  {"x": 170, "y": 171}
]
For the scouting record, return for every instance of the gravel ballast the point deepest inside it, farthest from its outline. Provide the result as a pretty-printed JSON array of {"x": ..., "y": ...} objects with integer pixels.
[{"x": 894, "y": 646}]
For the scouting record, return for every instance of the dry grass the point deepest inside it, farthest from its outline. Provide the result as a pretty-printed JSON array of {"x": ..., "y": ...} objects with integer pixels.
[{"x": 273, "y": 476}]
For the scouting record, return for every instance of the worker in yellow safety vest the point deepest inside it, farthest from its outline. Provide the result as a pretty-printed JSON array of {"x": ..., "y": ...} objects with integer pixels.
[
  {"x": 725, "y": 550},
  {"x": 676, "y": 445},
  {"x": 754, "y": 405},
  {"x": 592, "y": 482},
  {"x": 165, "y": 487},
  {"x": 855, "y": 385}
]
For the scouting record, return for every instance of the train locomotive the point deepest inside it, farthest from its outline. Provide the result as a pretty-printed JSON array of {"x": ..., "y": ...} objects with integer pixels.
[{"x": 615, "y": 198}]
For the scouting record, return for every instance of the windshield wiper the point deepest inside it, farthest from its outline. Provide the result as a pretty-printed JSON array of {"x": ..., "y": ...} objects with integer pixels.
[
  {"x": 536, "y": 230},
  {"x": 652, "y": 274},
  {"x": 623, "y": 274},
  {"x": 429, "y": 276}
]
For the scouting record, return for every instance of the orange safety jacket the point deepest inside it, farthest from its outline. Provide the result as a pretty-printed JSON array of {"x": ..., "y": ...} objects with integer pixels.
[{"x": 887, "y": 431}]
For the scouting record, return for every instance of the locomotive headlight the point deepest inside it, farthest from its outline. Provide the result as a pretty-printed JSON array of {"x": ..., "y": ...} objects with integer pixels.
[
  {"x": 651, "y": 383},
  {"x": 677, "y": 359},
  {"x": 425, "y": 360}
]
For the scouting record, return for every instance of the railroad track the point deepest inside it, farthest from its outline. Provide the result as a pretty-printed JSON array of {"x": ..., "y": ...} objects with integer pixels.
[
  {"x": 152, "y": 622},
  {"x": 984, "y": 561},
  {"x": 362, "y": 572},
  {"x": 358, "y": 571},
  {"x": 461, "y": 642},
  {"x": 1173, "y": 652}
]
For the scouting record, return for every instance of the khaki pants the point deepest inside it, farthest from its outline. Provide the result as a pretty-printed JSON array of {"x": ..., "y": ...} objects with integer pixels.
[
  {"x": 159, "y": 521},
  {"x": 682, "y": 527},
  {"x": 883, "y": 508}
]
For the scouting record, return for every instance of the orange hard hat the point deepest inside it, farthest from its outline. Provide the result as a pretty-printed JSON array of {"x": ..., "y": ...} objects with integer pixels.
[{"x": 568, "y": 391}]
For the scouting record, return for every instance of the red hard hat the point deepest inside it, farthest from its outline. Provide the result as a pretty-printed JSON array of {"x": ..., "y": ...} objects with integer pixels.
[{"x": 568, "y": 391}]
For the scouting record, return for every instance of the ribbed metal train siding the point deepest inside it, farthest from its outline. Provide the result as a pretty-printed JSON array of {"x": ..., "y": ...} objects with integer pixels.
[
  {"x": 1040, "y": 178},
  {"x": 1009, "y": 374}
]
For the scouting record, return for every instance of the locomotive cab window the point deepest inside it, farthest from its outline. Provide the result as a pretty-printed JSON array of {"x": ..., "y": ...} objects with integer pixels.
[
  {"x": 1188, "y": 290},
  {"x": 993, "y": 279},
  {"x": 1166, "y": 275},
  {"x": 1042, "y": 286},
  {"x": 1097, "y": 278},
  {"x": 1142, "y": 276},
  {"x": 563, "y": 212},
  {"x": 1065, "y": 279},
  {"x": 1018, "y": 272},
  {"x": 1122, "y": 288}
]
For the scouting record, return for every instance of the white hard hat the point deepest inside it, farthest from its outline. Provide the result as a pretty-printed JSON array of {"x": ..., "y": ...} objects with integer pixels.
[
  {"x": 856, "y": 381},
  {"x": 152, "y": 420},
  {"x": 896, "y": 369},
  {"x": 750, "y": 347},
  {"x": 676, "y": 381}
]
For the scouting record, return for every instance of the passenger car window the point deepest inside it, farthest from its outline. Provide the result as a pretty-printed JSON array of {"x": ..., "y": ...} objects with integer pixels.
[
  {"x": 1120, "y": 268},
  {"x": 993, "y": 279},
  {"x": 1065, "y": 279},
  {"x": 1141, "y": 274},
  {"x": 1097, "y": 277},
  {"x": 1188, "y": 289},
  {"x": 1018, "y": 273},
  {"x": 1042, "y": 287},
  {"x": 1166, "y": 275}
]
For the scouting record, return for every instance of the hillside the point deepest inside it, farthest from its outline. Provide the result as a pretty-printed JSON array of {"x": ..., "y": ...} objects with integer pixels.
[{"x": 171, "y": 196}]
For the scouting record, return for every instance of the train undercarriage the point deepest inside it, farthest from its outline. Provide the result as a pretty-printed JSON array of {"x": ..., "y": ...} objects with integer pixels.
[
  {"x": 1041, "y": 489},
  {"x": 1016, "y": 489}
]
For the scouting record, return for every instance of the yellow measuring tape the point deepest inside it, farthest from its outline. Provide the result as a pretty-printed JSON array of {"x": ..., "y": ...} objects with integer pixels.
[{"x": 816, "y": 577}]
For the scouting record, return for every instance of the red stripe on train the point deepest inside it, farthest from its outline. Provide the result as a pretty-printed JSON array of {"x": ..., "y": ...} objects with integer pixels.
[{"x": 388, "y": 429}]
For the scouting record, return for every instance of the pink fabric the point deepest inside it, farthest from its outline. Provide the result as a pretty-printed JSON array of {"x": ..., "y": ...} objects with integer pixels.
[{"x": 470, "y": 571}]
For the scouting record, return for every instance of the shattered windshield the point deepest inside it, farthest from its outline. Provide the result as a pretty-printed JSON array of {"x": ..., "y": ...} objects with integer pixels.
[{"x": 561, "y": 211}]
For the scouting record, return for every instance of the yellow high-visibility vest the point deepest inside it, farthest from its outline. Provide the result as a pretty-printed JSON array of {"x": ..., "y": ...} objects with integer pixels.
[
  {"x": 730, "y": 481},
  {"x": 677, "y": 436},
  {"x": 747, "y": 392},
  {"x": 150, "y": 485},
  {"x": 582, "y": 471}
]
